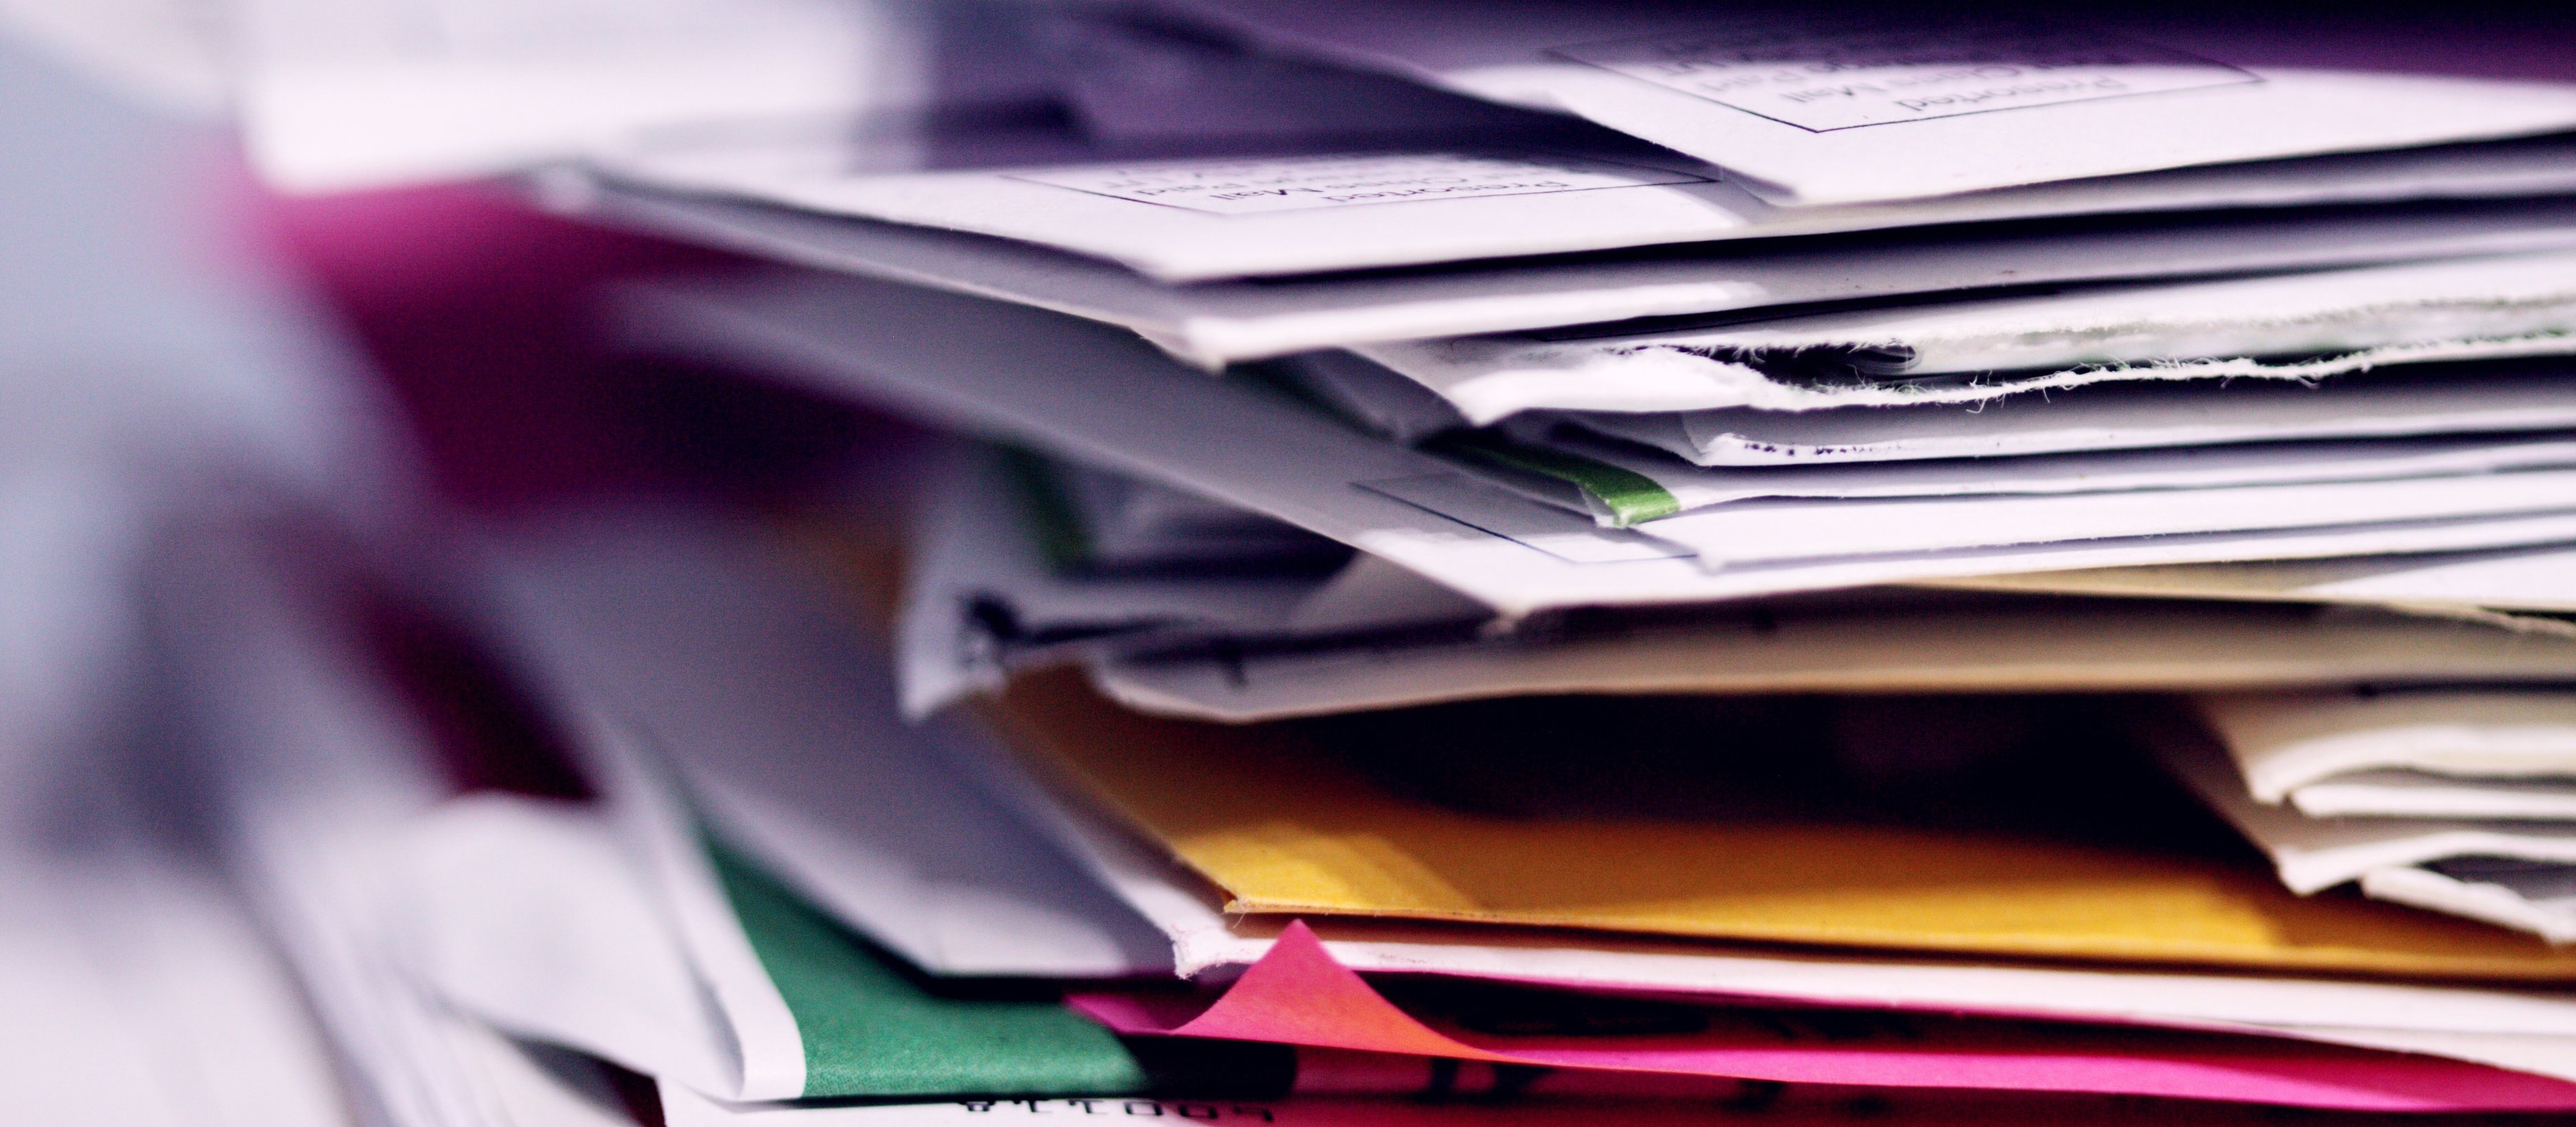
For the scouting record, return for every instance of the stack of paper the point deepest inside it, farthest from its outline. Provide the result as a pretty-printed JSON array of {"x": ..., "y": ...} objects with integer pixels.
[
  {"x": 757, "y": 784},
  {"x": 1402, "y": 563}
]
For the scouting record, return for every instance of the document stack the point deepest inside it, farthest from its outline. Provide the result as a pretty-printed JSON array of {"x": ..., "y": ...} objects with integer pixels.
[{"x": 1405, "y": 563}]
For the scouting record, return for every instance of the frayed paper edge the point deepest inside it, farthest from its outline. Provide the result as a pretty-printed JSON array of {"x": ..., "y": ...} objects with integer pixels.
[{"x": 1773, "y": 395}]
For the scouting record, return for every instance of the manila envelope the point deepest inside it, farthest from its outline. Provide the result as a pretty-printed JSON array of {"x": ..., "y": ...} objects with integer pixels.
[{"x": 1284, "y": 826}]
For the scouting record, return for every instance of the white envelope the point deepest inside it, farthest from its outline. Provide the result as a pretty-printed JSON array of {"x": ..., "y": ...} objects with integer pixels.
[
  {"x": 1213, "y": 323},
  {"x": 1214, "y": 211},
  {"x": 2296, "y": 326},
  {"x": 1861, "y": 104}
]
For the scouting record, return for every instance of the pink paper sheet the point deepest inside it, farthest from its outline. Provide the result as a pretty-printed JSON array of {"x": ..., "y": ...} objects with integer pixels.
[{"x": 1297, "y": 994}]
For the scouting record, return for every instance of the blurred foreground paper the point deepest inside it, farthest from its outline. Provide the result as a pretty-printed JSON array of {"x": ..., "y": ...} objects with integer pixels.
[
  {"x": 150, "y": 362},
  {"x": 780, "y": 720},
  {"x": 141, "y": 993},
  {"x": 337, "y": 96}
]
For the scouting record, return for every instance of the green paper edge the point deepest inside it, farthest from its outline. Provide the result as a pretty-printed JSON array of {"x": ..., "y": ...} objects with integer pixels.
[
  {"x": 1629, "y": 496},
  {"x": 871, "y": 1030}
]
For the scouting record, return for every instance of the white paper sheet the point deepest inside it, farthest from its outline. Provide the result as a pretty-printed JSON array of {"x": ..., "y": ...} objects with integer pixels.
[
  {"x": 662, "y": 835},
  {"x": 1772, "y": 531},
  {"x": 2300, "y": 326},
  {"x": 1218, "y": 322},
  {"x": 2433, "y": 754},
  {"x": 2112, "y": 416},
  {"x": 1917, "y": 645},
  {"x": 2418, "y": 794},
  {"x": 1231, "y": 213},
  {"x": 2537, "y": 579},
  {"x": 2478, "y": 900},
  {"x": 2282, "y": 742},
  {"x": 1224, "y": 216},
  {"x": 2532, "y": 898},
  {"x": 2319, "y": 853},
  {"x": 1866, "y": 104},
  {"x": 1369, "y": 396},
  {"x": 1891, "y": 646},
  {"x": 1691, "y": 488},
  {"x": 1072, "y": 389}
]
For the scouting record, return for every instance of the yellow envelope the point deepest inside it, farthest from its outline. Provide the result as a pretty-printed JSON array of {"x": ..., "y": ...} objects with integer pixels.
[{"x": 1284, "y": 829}]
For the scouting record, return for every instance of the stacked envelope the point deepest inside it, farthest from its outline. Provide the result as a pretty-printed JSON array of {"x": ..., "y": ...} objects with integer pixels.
[
  {"x": 619, "y": 812},
  {"x": 1868, "y": 310},
  {"x": 1445, "y": 564},
  {"x": 1615, "y": 550}
]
